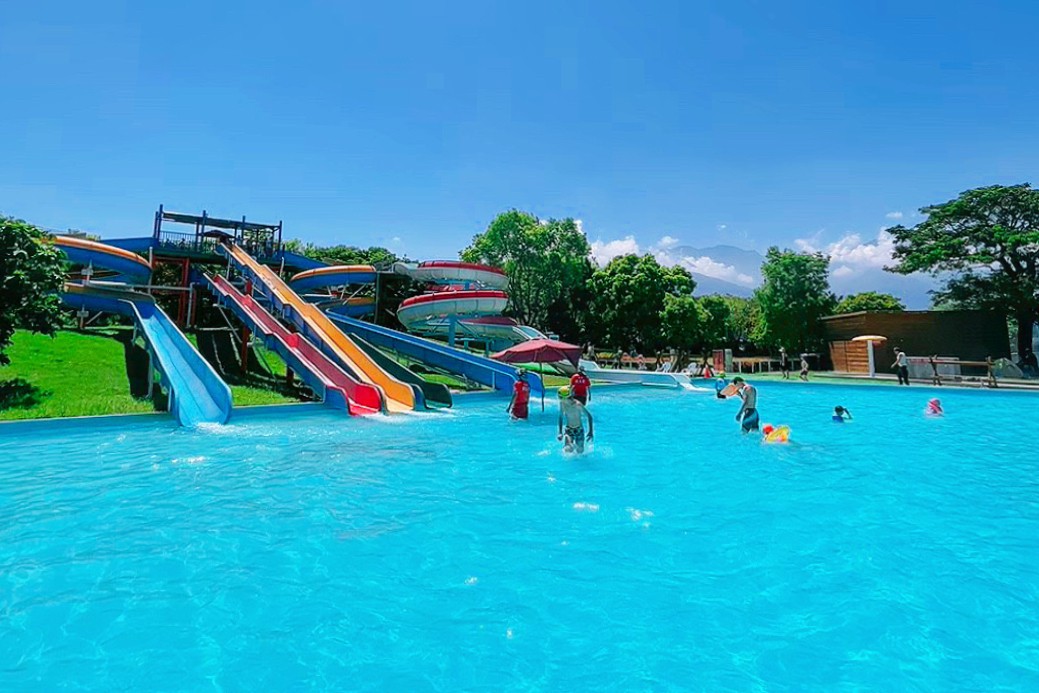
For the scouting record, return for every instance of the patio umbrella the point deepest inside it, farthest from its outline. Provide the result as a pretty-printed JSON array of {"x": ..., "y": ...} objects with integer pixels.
[
  {"x": 869, "y": 339},
  {"x": 540, "y": 351}
]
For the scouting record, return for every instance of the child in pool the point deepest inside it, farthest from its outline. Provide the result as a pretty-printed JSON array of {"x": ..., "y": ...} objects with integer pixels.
[
  {"x": 934, "y": 408},
  {"x": 840, "y": 414},
  {"x": 571, "y": 411}
]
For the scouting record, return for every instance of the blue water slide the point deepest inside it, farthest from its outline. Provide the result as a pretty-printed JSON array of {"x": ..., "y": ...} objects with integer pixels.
[
  {"x": 297, "y": 261},
  {"x": 196, "y": 393},
  {"x": 485, "y": 371},
  {"x": 136, "y": 245}
]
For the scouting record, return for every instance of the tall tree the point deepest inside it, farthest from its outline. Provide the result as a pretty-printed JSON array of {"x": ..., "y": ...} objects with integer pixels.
[
  {"x": 546, "y": 262},
  {"x": 628, "y": 297},
  {"x": 868, "y": 300},
  {"x": 683, "y": 320},
  {"x": 988, "y": 239},
  {"x": 742, "y": 322},
  {"x": 716, "y": 314},
  {"x": 794, "y": 295},
  {"x": 32, "y": 272}
]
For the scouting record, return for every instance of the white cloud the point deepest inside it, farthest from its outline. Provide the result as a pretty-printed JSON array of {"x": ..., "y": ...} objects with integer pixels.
[
  {"x": 851, "y": 254},
  {"x": 395, "y": 240},
  {"x": 712, "y": 268},
  {"x": 663, "y": 251},
  {"x": 722, "y": 227},
  {"x": 603, "y": 252},
  {"x": 843, "y": 271},
  {"x": 894, "y": 215}
]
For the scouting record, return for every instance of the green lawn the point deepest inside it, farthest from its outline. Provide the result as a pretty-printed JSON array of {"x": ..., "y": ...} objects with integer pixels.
[{"x": 77, "y": 374}]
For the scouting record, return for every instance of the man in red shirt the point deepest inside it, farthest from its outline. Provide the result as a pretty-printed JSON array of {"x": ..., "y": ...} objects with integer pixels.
[
  {"x": 518, "y": 405},
  {"x": 581, "y": 386}
]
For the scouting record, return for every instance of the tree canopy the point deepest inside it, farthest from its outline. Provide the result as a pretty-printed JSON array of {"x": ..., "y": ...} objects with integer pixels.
[
  {"x": 628, "y": 297},
  {"x": 989, "y": 239},
  {"x": 683, "y": 321},
  {"x": 547, "y": 262},
  {"x": 715, "y": 316},
  {"x": 32, "y": 272},
  {"x": 378, "y": 256},
  {"x": 794, "y": 295},
  {"x": 868, "y": 300}
]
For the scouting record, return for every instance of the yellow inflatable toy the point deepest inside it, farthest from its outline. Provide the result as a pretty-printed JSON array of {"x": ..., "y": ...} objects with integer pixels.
[{"x": 776, "y": 434}]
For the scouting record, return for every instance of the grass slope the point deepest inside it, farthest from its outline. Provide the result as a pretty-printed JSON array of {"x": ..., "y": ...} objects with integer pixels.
[{"x": 76, "y": 374}]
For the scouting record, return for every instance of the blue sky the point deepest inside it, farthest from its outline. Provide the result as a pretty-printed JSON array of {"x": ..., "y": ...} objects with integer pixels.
[{"x": 802, "y": 124}]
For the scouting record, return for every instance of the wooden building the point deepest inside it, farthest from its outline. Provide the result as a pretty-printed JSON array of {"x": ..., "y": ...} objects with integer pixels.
[{"x": 969, "y": 335}]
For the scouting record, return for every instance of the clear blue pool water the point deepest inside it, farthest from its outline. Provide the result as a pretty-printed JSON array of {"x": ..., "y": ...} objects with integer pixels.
[{"x": 462, "y": 551}]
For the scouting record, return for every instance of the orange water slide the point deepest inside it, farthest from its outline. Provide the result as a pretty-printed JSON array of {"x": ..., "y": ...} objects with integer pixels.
[{"x": 314, "y": 324}]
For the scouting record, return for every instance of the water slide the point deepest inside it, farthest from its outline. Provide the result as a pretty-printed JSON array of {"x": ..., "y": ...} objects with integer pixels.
[
  {"x": 465, "y": 300},
  {"x": 196, "y": 393},
  {"x": 336, "y": 388},
  {"x": 435, "y": 394},
  {"x": 487, "y": 372},
  {"x": 316, "y": 326},
  {"x": 105, "y": 261}
]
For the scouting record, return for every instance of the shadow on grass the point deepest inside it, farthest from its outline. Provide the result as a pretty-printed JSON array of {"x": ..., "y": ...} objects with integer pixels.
[{"x": 19, "y": 393}]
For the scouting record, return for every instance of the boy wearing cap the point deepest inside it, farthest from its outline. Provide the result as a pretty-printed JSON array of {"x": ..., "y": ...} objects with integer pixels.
[{"x": 572, "y": 410}]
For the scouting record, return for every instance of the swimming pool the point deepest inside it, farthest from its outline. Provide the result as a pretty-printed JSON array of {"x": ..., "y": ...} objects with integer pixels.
[{"x": 461, "y": 551}]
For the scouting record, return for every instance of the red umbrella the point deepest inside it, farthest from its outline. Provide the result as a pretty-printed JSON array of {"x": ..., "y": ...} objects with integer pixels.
[{"x": 540, "y": 351}]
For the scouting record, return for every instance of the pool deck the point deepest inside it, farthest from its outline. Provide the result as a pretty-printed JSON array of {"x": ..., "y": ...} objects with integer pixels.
[{"x": 884, "y": 379}]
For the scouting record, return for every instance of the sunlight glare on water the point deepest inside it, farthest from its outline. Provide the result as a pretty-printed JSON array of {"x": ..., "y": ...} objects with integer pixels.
[{"x": 460, "y": 550}]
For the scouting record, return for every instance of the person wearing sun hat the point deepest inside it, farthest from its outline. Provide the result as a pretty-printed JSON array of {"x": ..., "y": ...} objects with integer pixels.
[
  {"x": 520, "y": 402},
  {"x": 572, "y": 410}
]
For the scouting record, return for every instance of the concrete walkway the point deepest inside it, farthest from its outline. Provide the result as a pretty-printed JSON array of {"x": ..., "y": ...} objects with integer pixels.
[{"x": 838, "y": 378}]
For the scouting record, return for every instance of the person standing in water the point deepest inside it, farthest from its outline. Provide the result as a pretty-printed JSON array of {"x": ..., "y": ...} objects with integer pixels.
[
  {"x": 581, "y": 386},
  {"x": 901, "y": 366},
  {"x": 572, "y": 412},
  {"x": 748, "y": 413},
  {"x": 520, "y": 402},
  {"x": 840, "y": 414}
]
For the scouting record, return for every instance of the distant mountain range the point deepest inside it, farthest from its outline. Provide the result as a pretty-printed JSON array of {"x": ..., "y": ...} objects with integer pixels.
[{"x": 743, "y": 261}]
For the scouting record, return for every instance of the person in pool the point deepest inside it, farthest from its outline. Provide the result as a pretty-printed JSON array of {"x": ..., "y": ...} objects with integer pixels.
[
  {"x": 572, "y": 410},
  {"x": 581, "y": 386},
  {"x": 934, "y": 408},
  {"x": 748, "y": 413},
  {"x": 840, "y": 414},
  {"x": 520, "y": 402}
]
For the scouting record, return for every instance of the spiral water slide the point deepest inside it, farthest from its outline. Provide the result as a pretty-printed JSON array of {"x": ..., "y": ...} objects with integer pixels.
[
  {"x": 196, "y": 393},
  {"x": 466, "y": 300},
  {"x": 315, "y": 326},
  {"x": 334, "y": 277}
]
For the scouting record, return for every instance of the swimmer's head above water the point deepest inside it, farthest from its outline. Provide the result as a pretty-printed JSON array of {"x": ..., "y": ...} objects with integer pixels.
[{"x": 563, "y": 392}]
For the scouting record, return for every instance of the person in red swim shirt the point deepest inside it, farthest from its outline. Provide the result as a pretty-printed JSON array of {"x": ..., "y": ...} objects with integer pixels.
[
  {"x": 581, "y": 386},
  {"x": 519, "y": 404}
]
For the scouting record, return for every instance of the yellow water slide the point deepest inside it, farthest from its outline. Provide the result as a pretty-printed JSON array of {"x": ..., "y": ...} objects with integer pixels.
[{"x": 400, "y": 396}]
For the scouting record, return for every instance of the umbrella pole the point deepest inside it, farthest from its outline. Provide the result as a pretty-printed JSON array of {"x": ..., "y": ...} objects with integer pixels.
[{"x": 542, "y": 375}]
